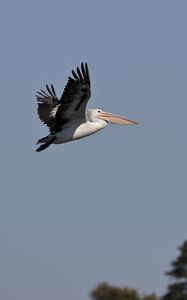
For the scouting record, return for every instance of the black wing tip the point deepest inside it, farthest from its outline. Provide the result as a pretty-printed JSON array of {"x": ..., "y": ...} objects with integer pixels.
[
  {"x": 83, "y": 74},
  {"x": 53, "y": 90},
  {"x": 49, "y": 90},
  {"x": 50, "y": 94},
  {"x": 74, "y": 75},
  {"x": 85, "y": 70}
]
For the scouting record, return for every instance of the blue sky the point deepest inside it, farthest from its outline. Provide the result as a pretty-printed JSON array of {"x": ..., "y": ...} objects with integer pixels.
[{"x": 110, "y": 207}]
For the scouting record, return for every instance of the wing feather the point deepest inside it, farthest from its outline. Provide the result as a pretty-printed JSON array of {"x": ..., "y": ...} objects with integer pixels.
[
  {"x": 55, "y": 112},
  {"x": 75, "y": 75},
  {"x": 47, "y": 107},
  {"x": 75, "y": 96},
  {"x": 80, "y": 75}
]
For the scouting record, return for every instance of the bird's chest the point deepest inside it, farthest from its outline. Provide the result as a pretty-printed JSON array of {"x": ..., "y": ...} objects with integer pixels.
[
  {"x": 86, "y": 128},
  {"x": 76, "y": 131}
]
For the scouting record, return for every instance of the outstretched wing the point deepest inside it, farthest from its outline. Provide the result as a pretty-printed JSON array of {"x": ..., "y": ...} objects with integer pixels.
[
  {"x": 56, "y": 112},
  {"x": 75, "y": 96},
  {"x": 48, "y": 104}
]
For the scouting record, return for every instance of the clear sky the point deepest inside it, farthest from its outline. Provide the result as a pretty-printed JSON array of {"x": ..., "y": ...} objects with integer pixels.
[{"x": 110, "y": 207}]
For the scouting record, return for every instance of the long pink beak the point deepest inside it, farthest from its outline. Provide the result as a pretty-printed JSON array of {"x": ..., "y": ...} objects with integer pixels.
[{"x": 115, "y": 119}]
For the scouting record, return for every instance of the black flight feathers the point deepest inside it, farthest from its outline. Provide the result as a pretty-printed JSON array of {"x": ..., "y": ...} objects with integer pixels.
[
  {"x": 47, "y": 98},
  {"x": 54, "y": 111},
  {"x": 83, "y": 77}
]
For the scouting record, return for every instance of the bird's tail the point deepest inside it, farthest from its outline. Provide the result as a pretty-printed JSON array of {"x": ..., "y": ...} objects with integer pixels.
[
  {"x": 45, "y": 139},
  {"x": 46, "y": 142}
]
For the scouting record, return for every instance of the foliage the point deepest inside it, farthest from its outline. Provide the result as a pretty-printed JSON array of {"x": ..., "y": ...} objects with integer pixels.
[
  {"x": 178, "y": 289},
  {"x": 150, "y": 297},
  {"x": 105, "y": 291}
]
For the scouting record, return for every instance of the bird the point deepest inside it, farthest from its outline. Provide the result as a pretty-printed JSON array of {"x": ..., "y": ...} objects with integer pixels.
[{"x": 67, "y": 117}]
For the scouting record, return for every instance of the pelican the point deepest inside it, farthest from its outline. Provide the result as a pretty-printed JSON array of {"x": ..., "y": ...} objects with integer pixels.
[{"x": 67, "y": 117}]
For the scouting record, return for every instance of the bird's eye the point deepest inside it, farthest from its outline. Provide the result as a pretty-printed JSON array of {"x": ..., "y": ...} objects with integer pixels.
[{"x": 98, "y": 111}]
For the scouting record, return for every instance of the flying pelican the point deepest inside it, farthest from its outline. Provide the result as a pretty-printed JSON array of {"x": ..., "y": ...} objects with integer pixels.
[{"x": 67, "y": 117}]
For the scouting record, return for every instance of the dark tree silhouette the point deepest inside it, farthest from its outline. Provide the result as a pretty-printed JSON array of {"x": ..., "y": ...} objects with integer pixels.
[
  {"x": 104, "y": 291},
  {"x": 178, "y": 289}
]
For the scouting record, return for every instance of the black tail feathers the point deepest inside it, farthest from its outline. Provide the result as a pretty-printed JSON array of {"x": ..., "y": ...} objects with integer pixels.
[
  {"x": 45, "y": 139},
  {"x": 45, "y": 145}
]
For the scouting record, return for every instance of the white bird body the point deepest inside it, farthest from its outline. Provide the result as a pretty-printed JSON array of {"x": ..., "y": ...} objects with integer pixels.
[
  {"x": 78, "y": 132},
  {"x": 67, "y": 117},
  {"x": 80, "y": 128}
]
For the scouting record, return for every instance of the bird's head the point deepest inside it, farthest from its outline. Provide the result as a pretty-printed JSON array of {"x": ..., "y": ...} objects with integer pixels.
[{"x": 94, "y": 115}]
